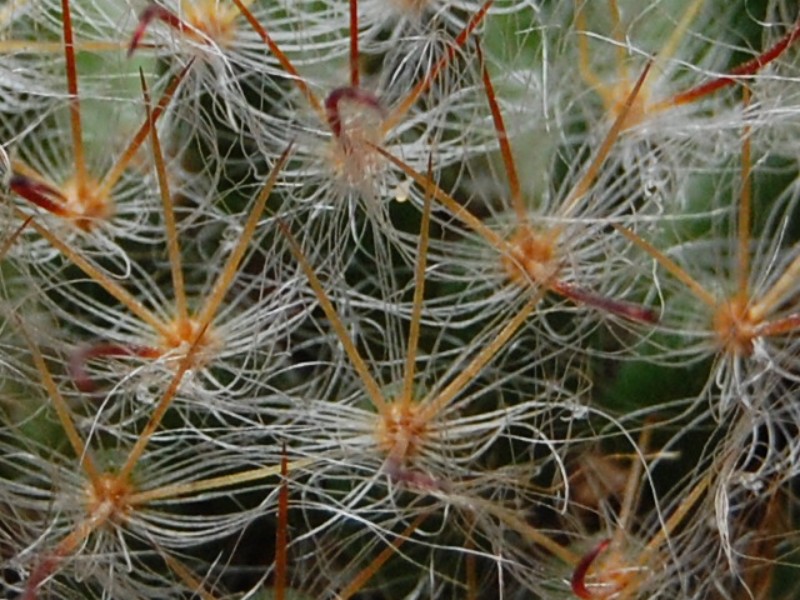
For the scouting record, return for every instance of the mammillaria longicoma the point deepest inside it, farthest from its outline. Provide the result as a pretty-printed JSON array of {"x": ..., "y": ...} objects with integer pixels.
[{"x": 399, "y": 299}]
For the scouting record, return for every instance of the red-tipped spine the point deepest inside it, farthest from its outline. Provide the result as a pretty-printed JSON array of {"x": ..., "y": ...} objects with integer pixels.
[
  {"x": 626, "y": 310},
  {"x": 354, "y": 71},
  {"x": 349, "y": 94},
  {"x": 78, "y": 360},
  {"x": 40, "y": 194},
  {"x": 150, "y": 14},
  {"x": 751, "y": 67},
  {"x": 779, "y": 327},
  {"x": 578, "y": 582},
  {"x": 282, "y": 533}
]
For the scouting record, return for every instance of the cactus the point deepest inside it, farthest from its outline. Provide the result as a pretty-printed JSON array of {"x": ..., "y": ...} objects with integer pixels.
[{"x": 399, "y": 299}]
